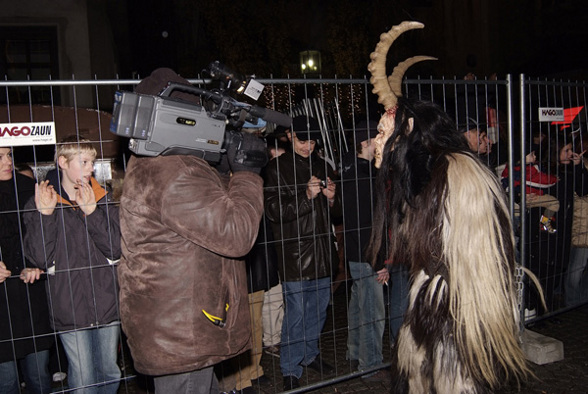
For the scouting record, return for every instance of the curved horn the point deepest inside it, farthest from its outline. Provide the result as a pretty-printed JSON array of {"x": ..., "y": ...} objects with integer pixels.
[
  {"x": 395, "y": 80},
  {"x": 387, "y": 93}
]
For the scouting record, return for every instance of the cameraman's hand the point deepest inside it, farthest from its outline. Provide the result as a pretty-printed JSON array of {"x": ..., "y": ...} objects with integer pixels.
[
  {"x": 223, "y": 165},
  {"x": 245, "y": 152}
]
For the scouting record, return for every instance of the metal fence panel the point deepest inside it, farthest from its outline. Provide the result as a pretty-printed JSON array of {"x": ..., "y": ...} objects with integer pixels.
[
  {"x": 509, "y": 116},
  {"x": 557, "y": 257}
]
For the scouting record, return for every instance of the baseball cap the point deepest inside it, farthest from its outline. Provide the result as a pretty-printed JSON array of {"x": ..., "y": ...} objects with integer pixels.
[{"x": 306, "y": 128}]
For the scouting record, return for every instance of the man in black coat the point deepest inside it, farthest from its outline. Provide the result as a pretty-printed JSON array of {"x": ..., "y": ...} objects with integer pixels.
[{"x": 301, "y": 199}]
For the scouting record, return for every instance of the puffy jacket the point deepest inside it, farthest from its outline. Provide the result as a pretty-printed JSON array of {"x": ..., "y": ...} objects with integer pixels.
[
  {"x": 184, "y": 229},
  {"x": 535, "y": 180},
  {"x": 580, "y": 223},
  {"x": 302, "y": 228},
  {"x": 78, "y": 252},
  {"x": 573, "y": 181}
]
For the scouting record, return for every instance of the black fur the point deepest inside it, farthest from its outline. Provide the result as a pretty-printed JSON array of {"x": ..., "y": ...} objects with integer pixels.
[{"x": 407, "y": 227}]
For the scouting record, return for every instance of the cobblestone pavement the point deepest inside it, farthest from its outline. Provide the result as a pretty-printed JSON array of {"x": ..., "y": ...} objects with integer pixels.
[{"x": 567, "y": 376}]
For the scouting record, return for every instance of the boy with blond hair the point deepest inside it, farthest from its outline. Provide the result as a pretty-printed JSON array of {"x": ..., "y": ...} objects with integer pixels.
[{"x": 73, "y": 234}]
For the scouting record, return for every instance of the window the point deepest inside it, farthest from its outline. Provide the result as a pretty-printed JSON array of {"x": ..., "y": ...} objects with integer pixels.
[{"x": 28, "y": 52}]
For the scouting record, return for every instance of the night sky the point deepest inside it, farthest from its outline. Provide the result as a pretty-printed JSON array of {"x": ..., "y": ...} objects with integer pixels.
[{"x": 535, "y": 37}]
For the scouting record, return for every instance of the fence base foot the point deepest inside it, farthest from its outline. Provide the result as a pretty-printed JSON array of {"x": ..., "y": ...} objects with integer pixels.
[{"x": 540, "y": 349}]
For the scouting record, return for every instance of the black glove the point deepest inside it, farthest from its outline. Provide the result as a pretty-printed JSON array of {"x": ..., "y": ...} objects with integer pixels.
[
  {"x": 223, "y": 166},
  {"x": 245, "y": 152}
]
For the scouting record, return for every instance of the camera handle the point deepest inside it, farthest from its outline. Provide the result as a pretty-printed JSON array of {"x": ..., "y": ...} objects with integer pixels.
[
  {"x": 222, "y": 102},
  {"x": 207, "y": 94},
  {"x": 227, "y": 103}
]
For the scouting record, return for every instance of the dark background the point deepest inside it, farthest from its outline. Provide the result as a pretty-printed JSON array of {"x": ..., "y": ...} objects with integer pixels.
[{"x": 264, "y": 37}]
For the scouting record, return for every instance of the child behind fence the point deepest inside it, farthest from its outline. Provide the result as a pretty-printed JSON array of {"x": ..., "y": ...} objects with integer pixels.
[
  {"x": 73, "y": 234},
  {"x": 535, "y": 182}
]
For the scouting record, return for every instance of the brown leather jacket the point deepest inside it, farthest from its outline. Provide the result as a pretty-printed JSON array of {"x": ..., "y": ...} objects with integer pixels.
[{"x": 183, "y": 230}]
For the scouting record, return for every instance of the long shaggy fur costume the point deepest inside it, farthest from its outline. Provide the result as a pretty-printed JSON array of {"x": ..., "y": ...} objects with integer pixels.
[{"x": 444, "y": 214}]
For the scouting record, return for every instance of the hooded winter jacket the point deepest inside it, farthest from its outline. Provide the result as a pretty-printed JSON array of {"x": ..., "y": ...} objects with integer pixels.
[
  {"x": 302, "y": 228},
  {"x": 183, "y": 288},
  {"x": 79, "y": 253}
]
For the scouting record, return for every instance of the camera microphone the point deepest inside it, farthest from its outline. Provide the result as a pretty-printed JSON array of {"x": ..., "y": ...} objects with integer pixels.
[{"x": 271, "y": 116}]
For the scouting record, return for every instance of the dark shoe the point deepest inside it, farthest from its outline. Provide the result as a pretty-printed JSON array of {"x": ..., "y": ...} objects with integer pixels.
[
  {"x": 262, "y": 380},
  {"x": 382, "y": 376},
  {"x": 273, "y": 351},
  {"x": 291, "y": 383},
  {"x": 320, "y": 366}
]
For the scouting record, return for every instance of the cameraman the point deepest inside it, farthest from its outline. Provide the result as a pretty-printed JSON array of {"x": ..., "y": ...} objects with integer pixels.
[{"x": 183, "y": 296}]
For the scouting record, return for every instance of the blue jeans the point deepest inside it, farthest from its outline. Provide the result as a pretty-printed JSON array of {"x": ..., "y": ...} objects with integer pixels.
[
  {"x": 305, "y": 313},
  {"x": 366, "y": 317},
  {"x": 92, "y": 354},
  {"x": 35, "y": 370},
  {"x": 398, "y": 288},
  {"x": 577, "y": 277},
  {"x": 202, "y": 381}
]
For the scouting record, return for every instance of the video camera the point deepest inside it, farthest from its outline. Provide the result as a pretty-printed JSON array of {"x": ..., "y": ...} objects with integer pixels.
[{"x": 164, "y": 125}]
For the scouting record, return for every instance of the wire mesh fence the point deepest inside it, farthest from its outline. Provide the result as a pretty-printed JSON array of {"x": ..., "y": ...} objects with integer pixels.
[{"x": 502, "y": 122}]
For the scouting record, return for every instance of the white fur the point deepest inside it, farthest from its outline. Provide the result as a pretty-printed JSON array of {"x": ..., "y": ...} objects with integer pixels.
[{"x": 481, "y": 292}]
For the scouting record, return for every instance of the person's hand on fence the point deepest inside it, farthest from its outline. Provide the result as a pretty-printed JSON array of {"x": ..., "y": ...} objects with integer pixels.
[
  {"x": 30, "y": 275},
  {"x": 4, "y": 273},
  {"x": 383, "y": 276},
  {"x": 85, "y": 197},
  {"x": 45, "y": 198}
]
